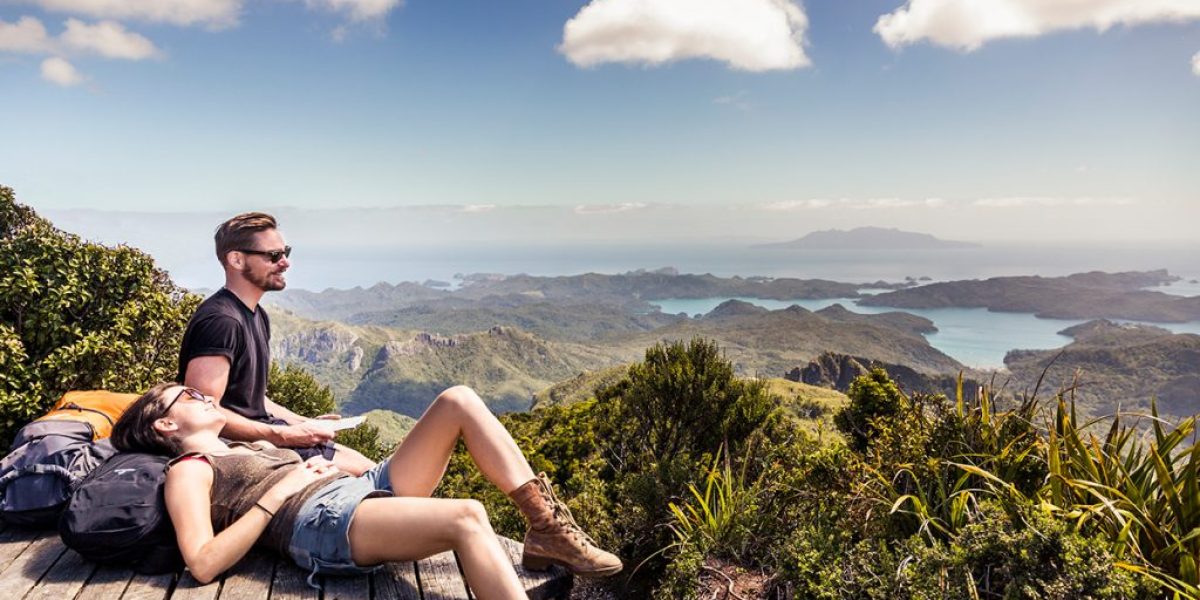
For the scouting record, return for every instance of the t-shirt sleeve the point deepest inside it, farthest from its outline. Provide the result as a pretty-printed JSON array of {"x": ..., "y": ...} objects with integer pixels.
[{"x": 215, "y": 336}]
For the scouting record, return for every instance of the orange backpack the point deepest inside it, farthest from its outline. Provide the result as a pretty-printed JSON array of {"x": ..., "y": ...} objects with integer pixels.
[{"x": 98, "y": 408}]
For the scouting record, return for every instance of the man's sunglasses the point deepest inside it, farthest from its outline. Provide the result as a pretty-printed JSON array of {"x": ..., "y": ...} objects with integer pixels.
[
  {"x": 192, "y": 393},
  {"x": 272, "y": 255}
]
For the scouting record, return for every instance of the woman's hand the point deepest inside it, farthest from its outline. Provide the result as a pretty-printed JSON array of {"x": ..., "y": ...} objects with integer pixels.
[{"x": 299, "y": 478}]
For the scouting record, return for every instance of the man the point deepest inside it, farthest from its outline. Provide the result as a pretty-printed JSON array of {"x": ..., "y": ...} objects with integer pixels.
[{"x": 225, "y": 351}]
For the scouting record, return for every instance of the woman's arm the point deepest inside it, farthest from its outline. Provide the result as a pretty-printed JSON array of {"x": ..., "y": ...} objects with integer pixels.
[{"x": 188, "y": 496}]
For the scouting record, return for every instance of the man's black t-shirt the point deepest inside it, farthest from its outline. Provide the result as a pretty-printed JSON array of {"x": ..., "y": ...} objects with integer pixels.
[{"x": 223, "y": 326}]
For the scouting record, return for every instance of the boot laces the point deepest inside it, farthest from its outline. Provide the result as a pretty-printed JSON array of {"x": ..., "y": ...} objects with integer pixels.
[{"x": 563, "y": 515}]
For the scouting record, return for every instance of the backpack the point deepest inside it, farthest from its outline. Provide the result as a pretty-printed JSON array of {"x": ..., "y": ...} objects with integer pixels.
[
  {"x": 118, "y": 516},
  {"x": 54, "y": 452},
  {"x": 98, "y": 408}
]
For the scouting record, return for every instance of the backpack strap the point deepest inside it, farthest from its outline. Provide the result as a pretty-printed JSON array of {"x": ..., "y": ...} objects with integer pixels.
[
  {"x": 73, "y": 406},
  {"x": 61, "y": 471}
]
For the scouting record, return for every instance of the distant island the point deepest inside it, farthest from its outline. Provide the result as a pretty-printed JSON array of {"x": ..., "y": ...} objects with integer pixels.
[
  {"x": 1093, "y": 295},
  {"x": 868, "y": 238}
]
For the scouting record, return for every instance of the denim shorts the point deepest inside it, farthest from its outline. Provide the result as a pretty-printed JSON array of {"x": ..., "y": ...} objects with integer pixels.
[{"x": 321, "y": 536}]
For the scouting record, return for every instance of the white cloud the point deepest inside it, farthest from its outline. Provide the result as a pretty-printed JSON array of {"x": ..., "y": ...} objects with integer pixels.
[
  {"x": 211, "y": 13},
  {"x": 477, "y": 208},
  {"x": 357, "y": 10},
  {"x": 751, "y": 35},
  {"x": 1196, "y": 64},
  {"x": 740, "y": 100},
  {"x": 596, "y": 209},
  {"x": 797, "y": 204},
  {"x": 108, "y": 39},
  {"x": 1049, "y": 201},
  {"x": 968, "y": 24},
  {"x": 58, "y": 70},
  {"x": 26, "y": 35}
]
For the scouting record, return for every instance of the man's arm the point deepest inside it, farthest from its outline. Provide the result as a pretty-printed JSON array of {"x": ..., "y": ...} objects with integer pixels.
[
  {"x": 210, "y": 375},
  {"x": 280, "y": 412}
]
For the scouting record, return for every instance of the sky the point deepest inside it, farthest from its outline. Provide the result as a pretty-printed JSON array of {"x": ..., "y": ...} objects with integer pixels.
[{"x": 969, "y": 119}]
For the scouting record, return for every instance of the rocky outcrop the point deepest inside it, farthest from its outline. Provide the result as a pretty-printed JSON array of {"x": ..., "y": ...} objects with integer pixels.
[
  {"x": 325, "y": 345},
  {"x": 838, "y": 371},
  {"x": 422, "y": 342}
]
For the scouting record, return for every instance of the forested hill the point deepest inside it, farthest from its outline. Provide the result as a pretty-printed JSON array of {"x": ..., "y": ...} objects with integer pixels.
[{"x": 372, "y": 366}]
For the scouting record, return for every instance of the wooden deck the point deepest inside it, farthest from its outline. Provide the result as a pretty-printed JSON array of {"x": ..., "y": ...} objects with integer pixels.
[{"x": 36, "y": 565}]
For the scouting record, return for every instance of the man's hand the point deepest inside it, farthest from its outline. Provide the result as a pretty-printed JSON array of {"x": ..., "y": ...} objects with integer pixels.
[
  {"x": 329, "y": 417},
  {"x": 302, "y": 435}
]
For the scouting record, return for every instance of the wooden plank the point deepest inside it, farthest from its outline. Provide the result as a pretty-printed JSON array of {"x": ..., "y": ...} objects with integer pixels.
[
  {"x": 65, "y": 579},
  {"x": 397, "y": 581},
  {"x": 290, "y": 583},
  {"x": 149, "y": 587},
  {"x": 355, "y": 587},
  {"x": 107, "y": 582},
  {"x": 250, "y": 578},
  {"x": 27, "y": 568},
  {"x": 440, "y": 579},
  {"x": 551, "y": 584},
  {"x": 189, "y": 589},
  {"x": 14, "y": 541}
]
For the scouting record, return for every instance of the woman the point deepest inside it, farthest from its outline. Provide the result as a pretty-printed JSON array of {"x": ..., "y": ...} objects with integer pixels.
[{"x": 223, "y": 498}]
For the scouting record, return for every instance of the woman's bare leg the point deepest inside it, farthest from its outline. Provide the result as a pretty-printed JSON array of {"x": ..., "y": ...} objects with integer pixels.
[
  {"x": 420, "y": 461},
  {"x": 427, "y": 526}
]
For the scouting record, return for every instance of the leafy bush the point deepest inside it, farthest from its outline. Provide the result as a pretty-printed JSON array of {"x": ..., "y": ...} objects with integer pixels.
[
  {"x": 298, "y": 391},
  {"x": 873, "y": 397},
  {"x": 619, "y": 460},
  {"x": 663, "y": 423},
  {"x": 1030, "y": 555},
  {"x": 78, "y": 315}
]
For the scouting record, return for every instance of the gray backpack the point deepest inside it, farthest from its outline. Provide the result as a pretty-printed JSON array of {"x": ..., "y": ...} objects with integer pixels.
[{"x": 48, "y": 459}]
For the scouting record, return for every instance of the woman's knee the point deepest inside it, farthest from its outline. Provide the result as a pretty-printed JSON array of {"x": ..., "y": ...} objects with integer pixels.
[
  {"x": 461, "y": 397},
  {"x": 470, "y": 519}
]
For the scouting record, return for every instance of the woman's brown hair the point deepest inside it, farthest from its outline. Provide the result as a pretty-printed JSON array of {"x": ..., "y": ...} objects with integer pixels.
[{"x": 135, "y": 432}]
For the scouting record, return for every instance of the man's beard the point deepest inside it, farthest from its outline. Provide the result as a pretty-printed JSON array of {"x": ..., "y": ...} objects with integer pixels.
[{"x": 264, "y": 282}]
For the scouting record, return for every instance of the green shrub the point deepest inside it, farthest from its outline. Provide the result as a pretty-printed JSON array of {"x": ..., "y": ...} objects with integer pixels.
[
  {"x": 662, "y": 424},
  {"x": 1030, "y": 555},
  {"x": 873, "y": 397},
  {"x": 681, "y": 576},
  {"x": 78, "y": 315}
]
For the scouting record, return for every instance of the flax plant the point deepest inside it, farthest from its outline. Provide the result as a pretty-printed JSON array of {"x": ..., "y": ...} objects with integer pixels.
[
  {"x": 1144, "y": 497},
  {"x": 959, "y": 454},
  {"x": 715, "y": 518}
]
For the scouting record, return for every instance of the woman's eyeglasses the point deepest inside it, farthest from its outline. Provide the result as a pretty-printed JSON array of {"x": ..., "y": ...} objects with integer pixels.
[
  {"x": 272, "y": 255},
  {"x": 192, "y": 393}
]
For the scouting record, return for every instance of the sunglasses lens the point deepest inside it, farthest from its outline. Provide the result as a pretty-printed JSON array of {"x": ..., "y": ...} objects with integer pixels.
[
  {"x": 195, "y": 394},
  {"x": 277, "y": 255}
]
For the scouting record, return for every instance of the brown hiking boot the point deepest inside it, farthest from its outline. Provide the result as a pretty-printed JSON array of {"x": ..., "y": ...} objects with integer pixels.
[{"x": 554, "y": 537}]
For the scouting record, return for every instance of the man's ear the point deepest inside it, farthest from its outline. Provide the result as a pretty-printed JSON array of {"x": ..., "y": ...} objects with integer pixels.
[{"x": 235, "y": 259}]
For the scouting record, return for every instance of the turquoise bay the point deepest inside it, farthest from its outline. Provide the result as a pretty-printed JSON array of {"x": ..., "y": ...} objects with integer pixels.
[{"x": 975, "y": 337}]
